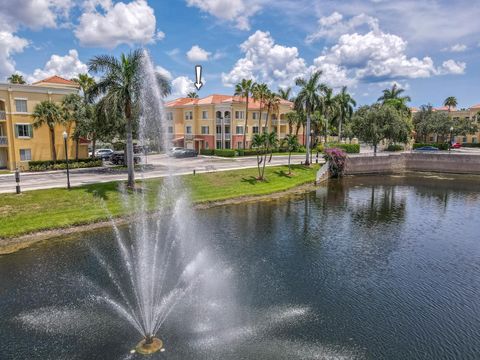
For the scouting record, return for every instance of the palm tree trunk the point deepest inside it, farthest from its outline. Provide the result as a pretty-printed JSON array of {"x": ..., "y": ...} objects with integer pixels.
[
  {"x": 260, "y": 118},
  {"x": 340, "y": 129},
  {"x": 130, "y": 159},
  {"x": 266, "y": 119},
  {"x": 307, "y": 146},
  {"x": 245, "y": 127},
  {"x": 52, "y": 143}
]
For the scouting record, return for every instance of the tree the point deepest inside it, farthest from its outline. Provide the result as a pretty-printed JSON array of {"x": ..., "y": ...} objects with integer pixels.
[
  {"x": 308, "y": 98},
  {"x": 16, "y": 79},
  {"x": 345, "y": 105},
  {"x": 292, "y": 118},
  {"x": 450, "y": 102},
  {"x": 260, "y": 93},
  {"x": 328, "y": 105},
  {"x": 377, "y": 122},
  {"x": 285, "y": 93},
  {"x": 258, "y": 143},
  {"x": 50, "y": 114},
  {"x": 74, "y": 111},
  {"x": 271, "y": 142},
  {"x": 392, "y": 97},
  {"x": 244, "y": 90},
  {"x": 120, "y": 85},
  {"x": 85, "y": 82},
  {"x": 291, "y": 141},
  {"x": 192, "y": 95},
  {"x": 272, "y": 103}
]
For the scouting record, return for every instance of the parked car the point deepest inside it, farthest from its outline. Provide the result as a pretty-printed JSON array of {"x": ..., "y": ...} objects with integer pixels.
[
  {"x": 456, "y": 145},
  {"x": 427, "y": 148},
  {"x": 185, "y": 153},
  {"x": 118, "y": 158},
  {"x": 173, "y": 150},
  {"x": 104, "y": 154}
]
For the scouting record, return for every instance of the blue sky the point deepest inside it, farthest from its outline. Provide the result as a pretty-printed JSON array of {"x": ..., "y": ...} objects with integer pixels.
[{"x": 431, "y": 48}]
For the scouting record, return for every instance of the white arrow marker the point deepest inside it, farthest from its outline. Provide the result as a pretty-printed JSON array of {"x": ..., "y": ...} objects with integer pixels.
[{"x": 198, "y": 77}]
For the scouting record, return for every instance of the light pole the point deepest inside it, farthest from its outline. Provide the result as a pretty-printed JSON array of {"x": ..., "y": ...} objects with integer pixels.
[
  {"x": 450, "y": 142},
  {"x": 65, "y": 137}
]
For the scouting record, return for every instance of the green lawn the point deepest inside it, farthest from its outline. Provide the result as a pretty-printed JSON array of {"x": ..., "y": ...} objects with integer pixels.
[
  {"x": 2, "y": 172},
  {"x": 59, "y": 208}
]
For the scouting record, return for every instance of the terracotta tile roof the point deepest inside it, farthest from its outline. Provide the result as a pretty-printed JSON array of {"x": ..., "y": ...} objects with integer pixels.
[
  {"x": 55, "y": 79},
  {"x": 477, "y": 106},
  {"x": 217, "y": 99}
]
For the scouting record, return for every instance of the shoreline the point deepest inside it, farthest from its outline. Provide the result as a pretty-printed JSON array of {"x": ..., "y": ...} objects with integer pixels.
[{"x": 12, "y": 245}]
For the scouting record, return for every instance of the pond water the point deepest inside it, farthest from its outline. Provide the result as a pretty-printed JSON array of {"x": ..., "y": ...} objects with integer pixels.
[{"x": 364, "y": 268}]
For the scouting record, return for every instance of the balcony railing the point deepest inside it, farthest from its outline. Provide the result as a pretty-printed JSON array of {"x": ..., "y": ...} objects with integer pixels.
[
  {"x": 189, "y": 136},
  {"x": 219, "y": 121},
  {"x": 228, "y": 136},
  {"x": 281, "y": 122},
  {"x": 226, "y": 120},
  {"x": 3, "y": 141},
  {"x": 3, "y": 115}
]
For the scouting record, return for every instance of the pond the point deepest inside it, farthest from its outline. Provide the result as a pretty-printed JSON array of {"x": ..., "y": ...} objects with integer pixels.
[{"x": 364, "y": 268}]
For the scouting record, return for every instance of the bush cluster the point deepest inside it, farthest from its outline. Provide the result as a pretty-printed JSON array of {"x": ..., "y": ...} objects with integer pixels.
[
  {"x": 395, "y": 147},
  {"x": 207, "y": 151},
  {"x": 336, "y": 159},
  {"x": 348, "y": 148},
  {"x": 247, "y": 152},
  {"x": 62, "y": 164},
  {"x": 440, "y": 146},
  {"x": 225, "y": 152},
  {"x": 471, "y": 145}
]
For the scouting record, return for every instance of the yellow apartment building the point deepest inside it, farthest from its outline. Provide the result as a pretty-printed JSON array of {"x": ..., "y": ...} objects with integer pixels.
[
  {"x": 19, "y": 141},
  {"x": 218, "y": 121}
]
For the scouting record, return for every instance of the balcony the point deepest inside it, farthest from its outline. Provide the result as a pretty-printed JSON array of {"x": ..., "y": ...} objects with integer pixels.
[
  {"x": 3, "y": 115},
  {"x": 226, "y": 120},
  {"x": 3, "y": 141},
  {"x": 228, "y": 136},
  {"x": 219, "y": 121},
  {"x": 189, "y": 136},
  {"x": 279, "y": 122}
]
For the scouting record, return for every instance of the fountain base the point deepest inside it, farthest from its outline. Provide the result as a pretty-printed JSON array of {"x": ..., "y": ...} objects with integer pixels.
[{"x": 149, "y": 346}]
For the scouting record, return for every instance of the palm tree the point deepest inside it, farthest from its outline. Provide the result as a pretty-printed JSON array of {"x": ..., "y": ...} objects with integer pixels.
[
  {"x": 450, "y": 101},
  {"x": 308, "y": 98},
  {"x": 73, "y": 108},
  {"x": 192, "y": 95},
  {"x": 345, "y": 104},
  {"x": 285, "y": 93},
  {"x": 292, "y": 144},
  {"x": 244, "y": 90},
  {"x": 16, "y": 79},
  {"x": 393, "y": 94},
  {"x": 272, "y": 103},
  {"x": 85, "y": 82},
  {"x": 258, "y": 142},
  {"x": 50, "y": 114},
  {"x": 292, "y": 118},
  {"x": 120, "y": 84},
  {"x": 260, "y": 93},
  {"x": 271, "y": 141},
  {"x": 328, "y": 104}
]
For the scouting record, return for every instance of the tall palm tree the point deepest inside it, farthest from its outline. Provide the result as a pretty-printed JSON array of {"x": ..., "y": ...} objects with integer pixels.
[
  {"x": 258, "y": 143},
  {"x": 291, "y": 141},
  {"x": 85, "y": 82},
  {"x": 244, "y": 90},
  {"x": 74, "y": 108},
  {"x": 271, "y": 141},
  {"x": 192, "y": 95},
  {"x": 345, "y": 105},
  {"x": 309, "y": 99},
  {"x": 393, "y": 93},
  {"x": 292, "y": 118},
  {"x": 285, "y": 93},
  {"x": 16, "y": 79},
  {"x": 329, "y": 107},
  {"x": 259, "y": 94},
  {"x": 450, "y": 101},
  {"x": 272, "y": 103},
  {"x": 120, "y": 84},
  {"x": 50, "y": 114}
]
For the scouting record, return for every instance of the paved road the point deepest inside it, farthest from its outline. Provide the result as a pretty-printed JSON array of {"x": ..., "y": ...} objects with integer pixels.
[{"x": 157, "y": 166}]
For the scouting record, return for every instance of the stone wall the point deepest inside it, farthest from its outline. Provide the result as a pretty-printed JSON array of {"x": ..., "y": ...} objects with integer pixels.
[{"x": 454, "y": 163}]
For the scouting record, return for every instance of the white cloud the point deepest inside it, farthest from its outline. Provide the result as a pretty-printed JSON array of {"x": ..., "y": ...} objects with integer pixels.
[
  {"x": 196, "y": 53},
  {"x": 265, "y": 61},
  {"x": 456, "y": 48},
  {"x": 453, "y": 67},
  {"x": 162, "y": 71},
  {"x": 236, "y": 11},
  {"x": 181, "y": 86},
  {"x": 9, "y": 45},
  {"x": 108, "y": 25},
  {"x": 67, "y": 66}
]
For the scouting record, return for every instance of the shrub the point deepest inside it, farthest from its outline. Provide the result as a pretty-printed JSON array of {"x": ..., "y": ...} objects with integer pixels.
[
  {"x": 440, "y": 146},
  {"x": 348, "y": 148},
  {"x": 302, "y": 149},
  {"x": 247, "y": 152},
  {"x": 336, "y": 159},
  {"x": 62, "y": 164},
  {"x": 225, "y": 152},
  {"x": 394, "y": 147},
  {"x": 207, "y": 151},
  {"x": 320, "y": 148},
  {"x": 471, "y": 145}
]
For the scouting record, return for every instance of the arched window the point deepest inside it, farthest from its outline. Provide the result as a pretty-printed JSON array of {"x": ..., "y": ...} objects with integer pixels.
[
  {"x": 219, "y": 114},
  {"x": 227, "y": 114}
]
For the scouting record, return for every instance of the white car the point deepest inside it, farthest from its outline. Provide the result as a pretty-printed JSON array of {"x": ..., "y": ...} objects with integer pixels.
[
  {"x": 173, "y": 150},
  {"x": 104, "y": 154}
]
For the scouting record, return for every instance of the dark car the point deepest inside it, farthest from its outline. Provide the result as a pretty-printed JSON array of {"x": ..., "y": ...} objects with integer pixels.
[
  {"x": 118, "y": 158},
  {"x": 185, "y": 153},
  {"x": 427, "y": 148}
]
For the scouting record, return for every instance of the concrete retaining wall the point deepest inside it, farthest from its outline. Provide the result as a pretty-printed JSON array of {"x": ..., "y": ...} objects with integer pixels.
[{"x": 427, "y": 162}]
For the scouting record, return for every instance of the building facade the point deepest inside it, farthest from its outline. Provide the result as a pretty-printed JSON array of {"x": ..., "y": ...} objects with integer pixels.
[
  {"x": 218, "y": 122},
  {"x": 20, "y": 142}
]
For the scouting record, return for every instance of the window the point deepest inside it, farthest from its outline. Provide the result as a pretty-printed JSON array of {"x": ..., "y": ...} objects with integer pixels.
[
  {"x": 25, "y": 155},
  {"x": 206, "y": 145},
  {"x": 205, "y": 130},
  {"x": 255, "y": 129},
  {"x": 204, "y": 115},
  {"x": 188, "y": 115},
  {"x": 23, "y": 131},
  {"x": 21, "y": 105},
  {"x": 188, "y": 129},
  {"x": 169, "y": 116},
  {"x": 464, "y": 140},
  {"x": 239, "y": 145},
  {"x": 219, "y": 144},
  {"x": 219, "y": 129},
  {"x": 239, "y": 130},
  {"x": 474, "y": 140},
  {"x": 255, "y": 115},
  {"x": 227, "y": 129},
  {"x": 227, "y": 144},
  {"x": 170, "y": 129},
  {"x": 239, "y": 114}
]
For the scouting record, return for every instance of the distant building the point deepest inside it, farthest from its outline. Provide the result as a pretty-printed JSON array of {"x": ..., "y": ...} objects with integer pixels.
[
  {"x": 19, "y": 141},
  {"x": 217, "y": 121}
]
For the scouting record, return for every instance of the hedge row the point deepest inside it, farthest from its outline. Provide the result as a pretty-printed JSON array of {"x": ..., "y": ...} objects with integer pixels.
[
  {"x": 348, "y": 148},
  {"x": 395, "y": 147},
  {"x": 62, "y": 161},
  {"x": 471, "y": 145},
  {"x": 225, "y": 152},
  {"x": 440, "y": 146},
  {"x": 207, "y": 151},
  {"x": 62, "y": 165}
]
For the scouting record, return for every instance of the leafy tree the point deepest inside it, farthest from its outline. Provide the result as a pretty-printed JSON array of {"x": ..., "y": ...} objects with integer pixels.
[
  {"x": 74, "y": 111},
  {"x": 244, "y": 89},
  {"x": 450, "y": 102},
  {"x": 50, "y": 114},
  {"x": 291, "y": 142},
  {"x": 16, "y": 79},
  {"x": 192, "y": 95},
  {"x": 260, "y": 93},
  {"x": 345, "y": 105},
  {"x": 120, "y": 85},
  {"x": 309, "y": 99}
]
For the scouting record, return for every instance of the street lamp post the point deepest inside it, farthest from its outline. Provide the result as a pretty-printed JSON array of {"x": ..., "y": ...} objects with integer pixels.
[
  {"x": 450, "y": 142},
  {"x": 65, "y": 137}
]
